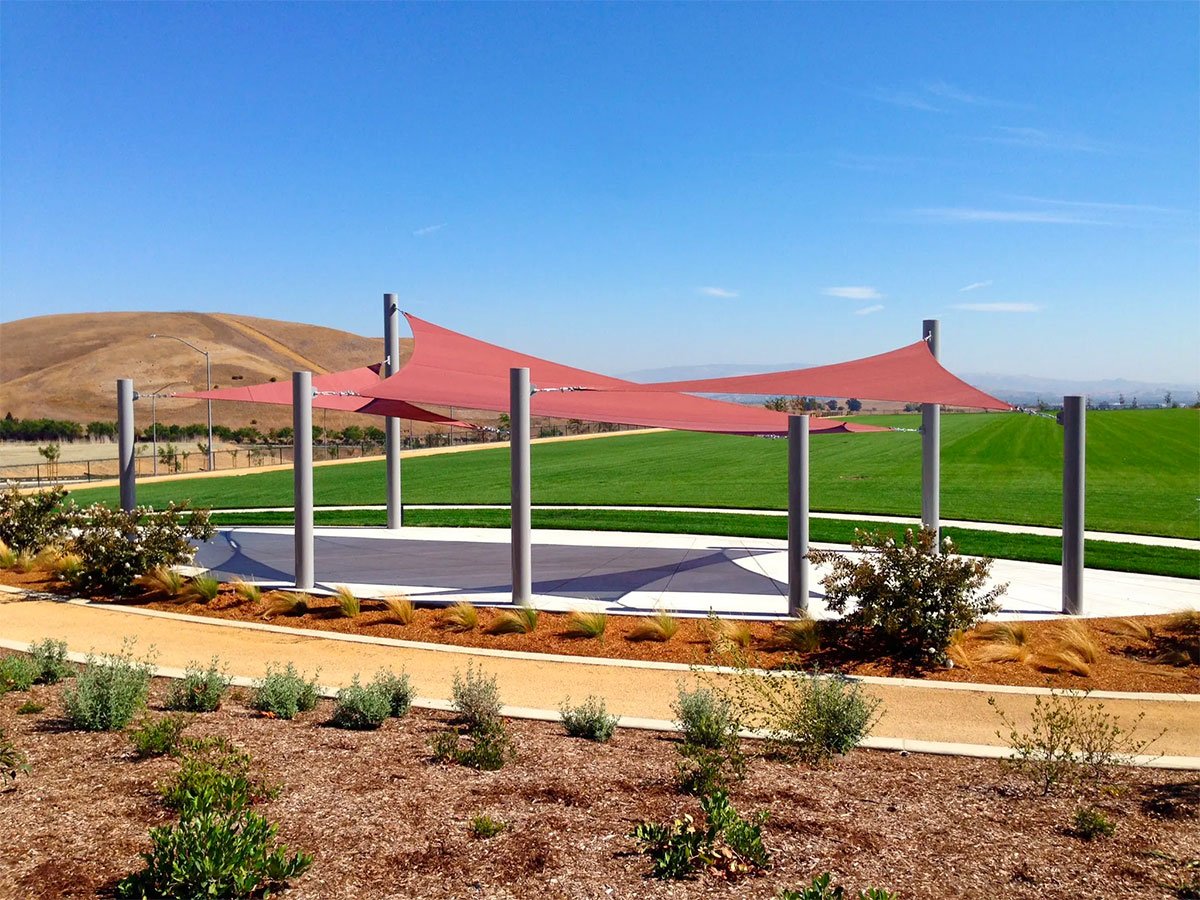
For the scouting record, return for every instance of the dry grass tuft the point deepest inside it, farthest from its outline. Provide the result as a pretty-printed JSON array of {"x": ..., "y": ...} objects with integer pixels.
[
  {"x": 1186, "y": 621},
  {"x": 1014, "y": 633},
  {"x": 47, "y": 559},
  {"x": 248, "y": 591},
  {"x": 586, "y": 624},
  {"x": 522, "y": 620},
  {"x": 400, "y": 609},
  {"x": 1074, "y": 636},
  {"x": 461, "y": 616},
  {"x": 956, "y": 651},
  {"x": 659, "y": 627},
  {"x": 1061, "y": 659},
  {"x": 8, "y": 556},
  {"x": 163, "y": 580},
  {"x": 203, "y": 589},
  {"x": 799, "y": 635},
  {"x": 25, "y": 561},
  {"x": 1003, "y": 652},
  {"x": 288, "y": 603},
  {"x": 727, "y": 634},
  {"x": 1130, "y": 628},
  {"x": 348, "y": 604}
]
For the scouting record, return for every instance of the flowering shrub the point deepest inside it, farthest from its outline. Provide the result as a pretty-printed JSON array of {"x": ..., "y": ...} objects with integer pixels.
[{"x": 33, "y": 521}]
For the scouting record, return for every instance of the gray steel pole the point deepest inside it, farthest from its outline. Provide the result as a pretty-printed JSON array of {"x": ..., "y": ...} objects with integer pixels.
[
  {"x": 522, "y": 555},
  {"x": 154, "y": 430},
  {"x": 931, "y": 447},
  {"x": 1074, "y": 478},
  {"x": 797, "y": 515},
  {"x": 208, "y": 377},
  {"x": 302, "y": 476},
  {"x": 125, "y": 453},
  {"x": 393, "y": 442}
]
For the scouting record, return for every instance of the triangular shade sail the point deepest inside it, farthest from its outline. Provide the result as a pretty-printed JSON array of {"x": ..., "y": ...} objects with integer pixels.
[
  {"x": 909, "y": 375},
  {"x": 336, "y": 390},
  {"x": 452, "y": 369}
]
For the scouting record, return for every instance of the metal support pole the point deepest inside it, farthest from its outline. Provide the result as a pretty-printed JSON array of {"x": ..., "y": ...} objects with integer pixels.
[
  {"x": 797, "y": 515},
  {"x": 393, "y": 441},
  {"x": 208, "y": 378},
  {"x": 302, "y": 475},
  {"x": 931, "y": 447},
  {"x": 1073, "y": 420},
  {"x": 522, "y": 556},
  {"x": 125, "y": 455}
]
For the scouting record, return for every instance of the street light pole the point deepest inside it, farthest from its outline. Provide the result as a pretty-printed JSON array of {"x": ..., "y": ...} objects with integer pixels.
[{"x": 208, "y": 378}]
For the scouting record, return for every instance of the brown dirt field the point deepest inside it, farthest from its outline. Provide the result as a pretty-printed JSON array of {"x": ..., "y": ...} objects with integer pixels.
[
  {"x": 1124, "y": 662},
  {"x": 383, "y": 820}
]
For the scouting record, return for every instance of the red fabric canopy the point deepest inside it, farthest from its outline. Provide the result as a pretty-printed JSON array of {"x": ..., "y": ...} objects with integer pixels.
[
  {"x": 452, "y": 369},
  {"x": 336, "y": 390},
  {"x": 911, "y": 374}
]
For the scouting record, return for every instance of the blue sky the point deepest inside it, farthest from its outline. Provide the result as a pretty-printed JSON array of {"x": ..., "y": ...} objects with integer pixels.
[{"x": 623, "y": 186}]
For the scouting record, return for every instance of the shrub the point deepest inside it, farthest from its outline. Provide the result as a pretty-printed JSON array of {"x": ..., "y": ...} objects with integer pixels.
[
  {"x": 199, "y": 690},
  {"x": 1090, "y": 823},
  {"x": 910, "y": 596},
  {"x": 522, "y": 620},
  {"x": 487, "y": 747},
  {"x": 213, "y": 774},
  {"x": 400, "y": 609},
  {"x": 348, "y": 604},
  {"x": 108, "y": 691},
  {"x": 711, "y": 749},
  {"x": 116, "y": 546},
  {"x": 361, "y": 708},
  {"x": 157, "y": 737},
  {"x": 823, "y": 888},
  {"x": 586, "y": 624},
  {"x": 589, "y": 720},
  {"x": 288, "y": 603},
  {"x": 398, "y": 691},
  {"x": 29, "y": 707},
  {"x": 12, "y": 760},
  {"x": 1070, "y": 740},
  {"x": 659, "y": 627},
  {"x": 476, "y": 698},
  {"x": 17, "y": 673},
  {"x": 285, "y": 693},
  {"x": 248, "y": 591},
  {"x": 31, "y": 522},
  {"x": 50, "y": 659},
  {"x": 163, "y": 580},
  {"x": 726, "y": 842},
  {"x": 460, "y": 616},
  {"x": 204, "y": 589},
  {"x": 484, "y": 826}
]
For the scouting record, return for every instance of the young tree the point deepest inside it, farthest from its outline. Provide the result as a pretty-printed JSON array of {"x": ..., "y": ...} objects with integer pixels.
[{"x": 854, "y": 405}]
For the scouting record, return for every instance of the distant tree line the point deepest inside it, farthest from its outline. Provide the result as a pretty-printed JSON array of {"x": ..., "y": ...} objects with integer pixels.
[
  {"x": 810, "y": 404},
  {"x": 60, "y": 431}
]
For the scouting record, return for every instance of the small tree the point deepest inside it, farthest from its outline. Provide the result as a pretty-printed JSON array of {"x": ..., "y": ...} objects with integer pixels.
[
  {"x": 51, "y": 453},
  {"x": 853, "y": 405}
]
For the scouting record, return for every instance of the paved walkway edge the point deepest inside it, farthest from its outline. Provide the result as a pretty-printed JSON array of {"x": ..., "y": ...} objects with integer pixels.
[{"x": 900, "y": 745}]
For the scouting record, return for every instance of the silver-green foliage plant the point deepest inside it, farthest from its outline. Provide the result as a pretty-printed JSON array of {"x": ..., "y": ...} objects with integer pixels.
[
  {"x": 33, "y": 521},
  {"x": 711, "y": 747},
  {"x": 589, "y": 719},
  {"x": 17, "y": 673},
  {"x": 284, "y": 694},
  {"x": 361, "y": 708},
  {"x": 109, "y": 691},
  {"x": 397, "y": 689},
  {"x": 911, "y": 596},
  {"x": 481, "y": 741},
  {"x": 157, "y": 737},
  {"x": 476, "y": 698},
  {"x": 200, "y": 689},
  {"x": 50, "y": 659}
]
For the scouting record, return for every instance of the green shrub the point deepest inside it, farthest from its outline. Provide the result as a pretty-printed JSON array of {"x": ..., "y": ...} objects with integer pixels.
[
  {"x": 1090, "y": 823},
  {"x": 484, "y": 826},
  {"x": 116, "y": 546},
  {"x": 157, "y": 737},
  {"x": 589, "y": 720},
  {"x": 823, "y": 888},
  {"x": 910, "y": 596},
  {"x": 17, "y": 673},
  {"x": 199, "y": 690},
  {"x": 726, "y": 842},
  {"x": 213, "y": 774},
  {"x": 476, "y": 698},
  {"x": 285, "y": 693},
  {"x": 30, "y": 707},
  {"x": 109, "y": 691},
  {"x": 12, "y": 760},
  {"x": 361, "y": 708},
  {"x": 1070, "y": 740},
  {"x": 34, "y": 521},
  {"x": 486, "y": 747},
  {"x": 711, "y": 748},
  {"x": 397, "y": 689},
  {"x": 50, "y": 659}
]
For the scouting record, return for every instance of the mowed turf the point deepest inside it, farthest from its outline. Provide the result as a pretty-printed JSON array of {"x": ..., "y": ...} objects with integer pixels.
[{"x": 1143, "y": 472}]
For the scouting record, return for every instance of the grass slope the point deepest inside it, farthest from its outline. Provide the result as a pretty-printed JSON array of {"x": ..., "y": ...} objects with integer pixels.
[{"x": 1143, "y": 471}]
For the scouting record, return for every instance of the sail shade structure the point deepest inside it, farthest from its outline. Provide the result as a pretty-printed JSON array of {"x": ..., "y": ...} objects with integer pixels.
[
  {"x": 910, "y": 374},
  {"x": 452, "y": 369},
  {"x": 335, "y": 390}
]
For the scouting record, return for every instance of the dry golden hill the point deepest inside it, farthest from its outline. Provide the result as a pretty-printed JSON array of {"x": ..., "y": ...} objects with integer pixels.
[{"x": 66, "y": 366}]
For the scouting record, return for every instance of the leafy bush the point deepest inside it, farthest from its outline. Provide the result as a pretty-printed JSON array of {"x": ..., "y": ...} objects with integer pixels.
[
  {"x": 398, "y": 691},
  {"x": 823, "y": 888},
  {"x": 1090, "y": 823},
  {"x": 17, "y": 673},
  {"x": 589, "y": 720},
  {"x": 116, "y": 546},
  {"x": 586, "y": 624},
  {"x": 484, "y": 826},
  {"x": 199, "y": 690},
  {"x": 29, "y": 707},
  {"x": 361, "y": 708},
  {"x": 911, "y": 596},
  {"x": 284, "y": 694},
  {"x": 12, "y": 760},
  {"x": 203, "y": 589},
  {"x": 726, "y": 842},
  {"x": 1070, "y": 740},
  {"x": 50, "y": 659},
  {"x": 487, "y": 747},
  {"x": 213, "y": 774},
  {"x": 476, "y": 698},
  {"x": 31, "y": 522},
  {"x": 711, "y": 749},
  {"x": 108, "y": 691},
  {"x": 157, "y": 737},
  {"x": 522, "y": 620}
]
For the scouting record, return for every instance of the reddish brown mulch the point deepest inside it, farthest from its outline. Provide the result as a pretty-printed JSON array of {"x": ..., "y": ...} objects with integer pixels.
[
  {"x": 382, "y": 820},
  {"x": 1125, "y": 663}
]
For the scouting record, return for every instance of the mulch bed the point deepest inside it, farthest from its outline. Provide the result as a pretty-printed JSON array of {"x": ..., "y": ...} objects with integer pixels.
[{"x": 383, "y": 820}]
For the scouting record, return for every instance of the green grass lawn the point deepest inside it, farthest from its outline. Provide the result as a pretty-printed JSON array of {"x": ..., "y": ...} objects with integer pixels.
[{"x": 1143, "y": 470}]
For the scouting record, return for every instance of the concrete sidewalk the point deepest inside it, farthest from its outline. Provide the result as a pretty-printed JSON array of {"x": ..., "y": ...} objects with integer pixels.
[{"x": 949, "y": 715}]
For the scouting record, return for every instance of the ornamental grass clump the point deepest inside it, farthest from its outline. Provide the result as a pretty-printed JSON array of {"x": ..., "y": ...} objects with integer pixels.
[
  {"x": 348, "y": 604},
  {"x": 522, "y": 620},
  {"x": 288, "y": 603},
  {"x": 725, "y": 635},
  {"x": 659, "y": 627},
  {"x": 361, "y": 708},
  {"x": 8, "y": 556},
  {"x": 203, "y": 589},
  {"x": 400, "y": 610},
  {"x": 582, "y": 624},
  {"x": 801, "y": 635},
  {"x": 461, "y": 616},
  {"x": 163, "y": 580},
  {"x": 248, "y": 591},
  {"x": 907, "y": 597},
  {"x": 284, "y": 693},
  {"x": 199, "y": 690},
  {"x": 109, "y": 691},
  {"x": 590, "y": 720}
]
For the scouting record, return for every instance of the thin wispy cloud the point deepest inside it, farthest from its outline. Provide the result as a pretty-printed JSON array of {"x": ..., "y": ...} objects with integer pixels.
[
  {"x": 853, "y": 292},
  {"x": 1040, "y": 139},
  {"x": 974, "y": 286},
  {"x": 952, "y": 215},
  {"x": 935, "y": 96},
  {"x": 1052, "y": 211},
  {"x": 720, "y": 292},
  {"x": 999, "y": 307},
  {"x": 1108, "y": 207},
  {"x": 958, "y": 95},
  {"x": 429, "y": 229},
  {"x": 867, "y": 310},
  {"x": 904, "y": 99}
]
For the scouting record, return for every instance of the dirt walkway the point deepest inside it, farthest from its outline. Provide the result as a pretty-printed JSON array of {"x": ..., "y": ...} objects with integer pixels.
[{"x": 911, "y": 712}]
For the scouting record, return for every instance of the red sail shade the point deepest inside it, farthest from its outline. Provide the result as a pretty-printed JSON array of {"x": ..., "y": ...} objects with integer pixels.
[{"x": 452, "y": 369}]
